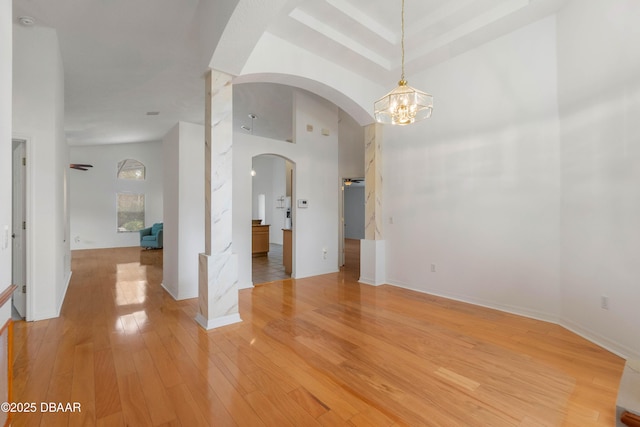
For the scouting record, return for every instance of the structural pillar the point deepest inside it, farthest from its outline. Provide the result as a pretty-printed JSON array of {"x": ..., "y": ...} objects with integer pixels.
[
  {"x": 372, "y": 247},
  {"x": 218, "y": 265}
]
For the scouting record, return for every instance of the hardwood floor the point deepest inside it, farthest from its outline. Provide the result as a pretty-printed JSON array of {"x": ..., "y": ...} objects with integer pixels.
[
  {"x": 323, "y": 351},
  {"x": 352, "y": 259},
  {"x": 266, "y": 269}
]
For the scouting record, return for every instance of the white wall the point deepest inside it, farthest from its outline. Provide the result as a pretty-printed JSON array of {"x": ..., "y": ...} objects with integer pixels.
[
  {"x": 270, "y": 180},
  {"x": 599, "y": 97},
  {"x": 183, "y": 149},
  {"x": 171, "y": 211},
  {"x": 350, "y": 147},
  {"x": 6, "y": 38},
  {"x": 316, "y": 179},
  {"x": 93, "y": 192},
  {"x": 475, "y": 190},
  {"x": 38, "y": 117}
]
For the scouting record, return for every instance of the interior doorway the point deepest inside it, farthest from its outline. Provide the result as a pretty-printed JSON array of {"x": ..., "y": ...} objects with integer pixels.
[
  {"x": 352, "y": 220},
  {"x": 272, "y": 218},
  {"x": 19, "y": 227}
]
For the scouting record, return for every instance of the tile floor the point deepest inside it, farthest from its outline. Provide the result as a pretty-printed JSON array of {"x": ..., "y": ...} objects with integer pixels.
[{"x": 269, "y": 268}]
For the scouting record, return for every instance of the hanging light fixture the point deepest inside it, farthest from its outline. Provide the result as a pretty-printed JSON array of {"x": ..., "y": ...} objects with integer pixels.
[
  {"x": 252, "y": 117},
  {"x": 403, "y": 105}
]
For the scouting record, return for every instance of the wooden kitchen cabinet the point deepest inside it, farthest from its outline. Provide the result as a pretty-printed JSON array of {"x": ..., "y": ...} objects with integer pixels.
[
  {"x": 286, "y": 249},
  {"x": 259, "y": 240}
]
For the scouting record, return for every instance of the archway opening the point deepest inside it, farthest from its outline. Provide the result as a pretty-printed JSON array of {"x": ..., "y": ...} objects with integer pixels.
[{"x": 272, "y": 218}]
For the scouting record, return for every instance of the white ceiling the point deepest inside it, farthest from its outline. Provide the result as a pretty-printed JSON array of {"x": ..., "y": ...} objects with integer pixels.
[{"x": 123, "y": 59}]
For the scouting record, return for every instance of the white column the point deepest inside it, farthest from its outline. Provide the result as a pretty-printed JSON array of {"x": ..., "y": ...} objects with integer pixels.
[
  {"x": 218, "y": 266},
  {"x": 373, "y": 182},
  {"x": 372, "y": 247}
]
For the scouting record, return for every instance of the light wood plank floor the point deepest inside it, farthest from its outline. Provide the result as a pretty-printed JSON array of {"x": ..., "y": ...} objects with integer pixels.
[{"x": 323, "y": 351}]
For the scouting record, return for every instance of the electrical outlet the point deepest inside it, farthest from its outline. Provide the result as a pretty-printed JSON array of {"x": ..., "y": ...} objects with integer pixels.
[
  {"x": 433, "y": 268},
  {"x": 604, "y": 302},
  {"x": 324, "y": 253}
]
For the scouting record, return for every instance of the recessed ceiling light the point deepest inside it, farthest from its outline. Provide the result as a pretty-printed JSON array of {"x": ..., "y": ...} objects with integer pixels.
[
  {"x": 27, "y": 21},
  {"x": 153, "y": 113},
  {"x": 252, "y": 116},
  {"x": 247, "y": 128}
]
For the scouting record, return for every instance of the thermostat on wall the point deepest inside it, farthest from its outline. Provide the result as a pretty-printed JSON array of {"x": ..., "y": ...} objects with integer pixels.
[{"x": 303, "y": 203}]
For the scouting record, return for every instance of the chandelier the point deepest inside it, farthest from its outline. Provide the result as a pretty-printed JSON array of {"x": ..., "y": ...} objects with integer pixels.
[{"x": 404, "y": 104}]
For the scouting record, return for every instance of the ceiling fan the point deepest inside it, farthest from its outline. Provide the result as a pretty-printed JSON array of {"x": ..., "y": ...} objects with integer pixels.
[
  {"x": 80, "y": 166},
  {"x": 349, "y": 181}
]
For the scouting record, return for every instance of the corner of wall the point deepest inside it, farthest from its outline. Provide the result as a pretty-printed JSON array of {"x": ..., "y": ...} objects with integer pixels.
[
  {"x": 169, "y": 290},
  {"x": 63, "y": 293}
]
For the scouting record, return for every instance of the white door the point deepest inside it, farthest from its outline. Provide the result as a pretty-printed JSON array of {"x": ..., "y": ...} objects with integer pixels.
[{"x": 19, "y": 270}]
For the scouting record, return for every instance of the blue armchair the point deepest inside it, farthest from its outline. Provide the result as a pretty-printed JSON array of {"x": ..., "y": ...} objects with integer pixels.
[{"x": 151, "y": 237}]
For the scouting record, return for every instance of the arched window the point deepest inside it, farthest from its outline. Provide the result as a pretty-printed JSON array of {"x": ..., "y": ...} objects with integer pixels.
[{"x": 131, "y": 169}]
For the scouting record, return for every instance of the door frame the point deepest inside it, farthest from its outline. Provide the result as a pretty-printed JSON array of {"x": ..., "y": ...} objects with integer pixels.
[
  {"x": 28, "y": 239},
  {"x": 293, "y": 207},
  {"x": 341, "y": 212}
]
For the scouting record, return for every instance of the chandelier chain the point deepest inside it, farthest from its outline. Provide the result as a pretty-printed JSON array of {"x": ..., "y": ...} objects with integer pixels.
[{"x": 402, "y": 40}]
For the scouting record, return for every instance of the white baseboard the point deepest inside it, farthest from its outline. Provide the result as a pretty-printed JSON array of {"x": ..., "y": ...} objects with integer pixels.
[
  {"x": 64, "y": 294},
  {"x": 218, "y": 322},
  {"x": 179, "y": 297},
  {"x": 45, "y": 315},
  {"x": 245, "y": 285},
  {"x": 168, "y": 291},
  {"x": 306, "y": 274},
  {"x": 598, "y": 339},
  {"x": 370, "y": 282},
  {"x": 592, "y": 336},
  {"x": 519, "y": 311}
]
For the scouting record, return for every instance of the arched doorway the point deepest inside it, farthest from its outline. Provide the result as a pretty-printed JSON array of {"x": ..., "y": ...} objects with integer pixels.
[
  {"x": 272, "y": 218},
  {"x": 311, "y": 139}
]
